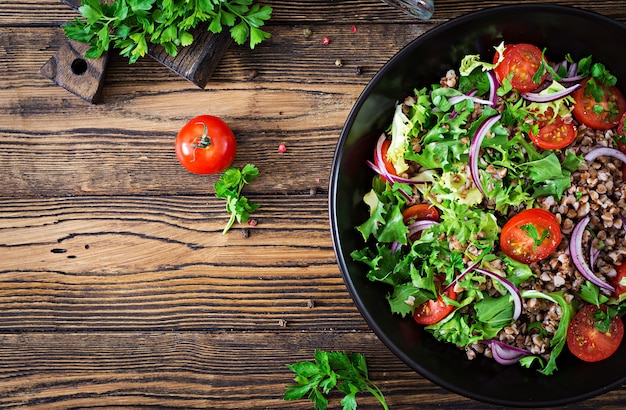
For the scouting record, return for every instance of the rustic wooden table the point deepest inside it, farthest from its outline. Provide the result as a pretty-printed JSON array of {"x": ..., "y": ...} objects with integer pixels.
[{"x": 117, "y": 287}]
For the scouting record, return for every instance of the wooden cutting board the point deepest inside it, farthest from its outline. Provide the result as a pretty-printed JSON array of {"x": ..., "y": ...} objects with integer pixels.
[{"x": 85, "y": 77}]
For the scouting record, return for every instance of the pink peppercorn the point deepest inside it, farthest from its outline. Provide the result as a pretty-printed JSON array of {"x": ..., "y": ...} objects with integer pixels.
[
  {"x": 282, "y": 148},
  {"x": 354, "y": 29},
  {"x": 326, "y": 41}
]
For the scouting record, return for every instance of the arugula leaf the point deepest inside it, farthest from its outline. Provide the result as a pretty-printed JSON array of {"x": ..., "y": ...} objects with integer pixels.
[
  {"x": 229, "y": 187},
  {"x": 560, "y": 336},
  {"x": 495, "y": 312},
  {"x": 385, "y": 222},
  {"x": 347, "y": 372},
  {"x": 130, "y": 25}
]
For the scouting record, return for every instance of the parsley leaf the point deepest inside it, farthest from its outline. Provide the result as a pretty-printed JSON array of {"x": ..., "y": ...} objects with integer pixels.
[
  {"x": 533, "y": 233},
  {"x": 347, "y": 372},
  {"x": 131, "y": 25},
  {"x": 590, "y": 293},
  {"x": 229, "y": 187}
]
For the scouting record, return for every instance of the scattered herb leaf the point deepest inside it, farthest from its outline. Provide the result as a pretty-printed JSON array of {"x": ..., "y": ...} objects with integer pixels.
[
  {"x": 229, "y": 187},
  {"x": 347, "y": 372},
  {"x": 533, "y": 233}
]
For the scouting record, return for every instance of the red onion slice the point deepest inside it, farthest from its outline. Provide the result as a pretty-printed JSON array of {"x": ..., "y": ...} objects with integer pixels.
[
  {"x": 378, "y": 153},
  {"x": 458, "y": 98},
  {"x": 543, "y": 98},
  {"x": 395, "y": 247},
  {"x": 605, "y": 152},
  {"x": 593, "y": 257},
  {"x": 481, "y": 132},
  {"x": 517, "y": 297},
  {"x": 465, "y": 272},
  {"x": 420, "y": 225},
  {"x": 505, "y": 354},
  {"x": 493, "y": 88},
  {"x": 576, "y": 252}
]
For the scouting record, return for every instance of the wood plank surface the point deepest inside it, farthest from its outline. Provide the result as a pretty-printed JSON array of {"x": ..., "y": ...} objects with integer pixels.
[{"x": 117, "y": 287}]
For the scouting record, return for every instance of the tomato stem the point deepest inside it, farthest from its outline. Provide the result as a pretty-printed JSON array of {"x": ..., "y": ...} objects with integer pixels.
[{"x": 204, "y": 142}]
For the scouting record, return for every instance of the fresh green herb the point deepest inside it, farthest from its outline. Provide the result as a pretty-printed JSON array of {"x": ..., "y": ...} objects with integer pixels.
[
  {"x": 599, "y": 76},
  {"x": 560, "y": 336},
  {"x": 345, "y": 371},
  {"x": 545, "y": 68},
  {"x": 590, "y": 293},
  {"x": 130, "y": 25},
  {"x": 533, "y": 233},
  {"x": 603, "y": 318},
  {"x": 229, "y": 187}
]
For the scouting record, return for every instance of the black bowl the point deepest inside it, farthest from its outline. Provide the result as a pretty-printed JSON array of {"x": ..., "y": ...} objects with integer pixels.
[{"x": 560, "y": 30}]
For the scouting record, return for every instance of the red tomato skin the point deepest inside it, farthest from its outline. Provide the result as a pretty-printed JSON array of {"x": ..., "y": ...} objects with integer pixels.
[
  {"x": 555, "y": 135},
  {"x": 433, "y": 311},
  {"x": 583, "y": 107},
  {"x": 388, "y": 165},
  {"x": 215, "y": 158},
  {"x": 621, "y": 126},
  {"x": 588, "y": 343},
  {"x": 616, "y": 281},
  {"x": 523, "y": 60},
  {"x": 420, "y": 211},
  {"x": 514, "y": 241}
]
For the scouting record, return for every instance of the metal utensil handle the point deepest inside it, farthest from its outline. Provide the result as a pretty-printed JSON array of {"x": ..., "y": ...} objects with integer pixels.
[{"x": 422, "y": 9}]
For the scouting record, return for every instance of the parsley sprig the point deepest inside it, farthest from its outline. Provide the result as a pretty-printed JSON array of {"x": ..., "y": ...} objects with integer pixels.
[
  {"x": 345, "y": 371},
  {"x": 533, "y": 233},
  {"x": 229, "y": 187},
  {"x": 130, "y": 25}
]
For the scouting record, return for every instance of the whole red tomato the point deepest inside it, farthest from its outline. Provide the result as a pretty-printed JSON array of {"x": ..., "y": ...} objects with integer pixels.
[{"x": 205, "y": 145}]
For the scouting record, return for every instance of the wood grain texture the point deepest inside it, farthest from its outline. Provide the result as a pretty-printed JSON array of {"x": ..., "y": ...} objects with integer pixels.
[
  {"x": 69, "y": 69},
  {"x": 117, "y": 287},
  {"x": 200, "y": 369}
]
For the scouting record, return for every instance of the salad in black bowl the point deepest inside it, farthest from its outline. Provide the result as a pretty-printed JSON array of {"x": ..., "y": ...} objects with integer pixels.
[{"x": 478, "y": 201}]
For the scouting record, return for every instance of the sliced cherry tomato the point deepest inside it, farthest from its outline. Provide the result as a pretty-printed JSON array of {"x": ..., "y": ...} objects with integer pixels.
[
  {"x": 420, "y": 211},
  {"x": 433, "y": 311},
  {"x": 587, "y": 342},
  {"x": 522, "y": 60},
  {"x": 388, "y": 165},
  {"x": 618, "y": 279},
  {"x": 205, "y": 145},
  {"x": 613, "y": 106},
  {"x": 530, "y": 236},
  {"x": 543, "y": 118},
  {"x": 621, "y": 126},
  {"x": 555, "y": 135}
]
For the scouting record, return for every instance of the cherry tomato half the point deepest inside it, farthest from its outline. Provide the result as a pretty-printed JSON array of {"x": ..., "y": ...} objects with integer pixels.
[
  {"x": 522, "y": 60},
  {"x": 617, "y": 280},
  {"x": 433, "y": 311},
  {"x": 530, "y": 236},
  {"x": 587, "y": 342},
  {"x": 420, "y": 211},
  {"x": 388, "y": 165},
  {"x": 613, "y": 105},
  {"x": 205, "y": 145},
  {"x": 621, "y": 126},
  {"x": 555, "y": 135}
]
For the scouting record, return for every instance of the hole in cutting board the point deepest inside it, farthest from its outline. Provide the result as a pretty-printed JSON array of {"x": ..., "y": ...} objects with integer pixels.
[{"x": 79, "y": 66}]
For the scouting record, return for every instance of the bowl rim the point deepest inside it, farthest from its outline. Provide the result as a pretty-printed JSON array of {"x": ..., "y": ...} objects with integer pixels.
[{"x": 332, "y": 198}]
